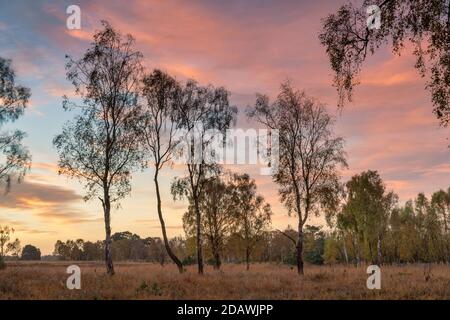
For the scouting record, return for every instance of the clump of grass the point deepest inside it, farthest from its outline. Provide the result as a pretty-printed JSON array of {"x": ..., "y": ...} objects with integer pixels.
[
  {"x": 319, "y": 277},
  {"x": 142, "y": 287},
  {"x": 154, "y": 289},
  {"x": 6, "y": 287}
]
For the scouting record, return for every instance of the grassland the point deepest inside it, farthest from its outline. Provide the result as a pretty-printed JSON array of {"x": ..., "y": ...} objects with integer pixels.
[{"x": 47, "y": 280}]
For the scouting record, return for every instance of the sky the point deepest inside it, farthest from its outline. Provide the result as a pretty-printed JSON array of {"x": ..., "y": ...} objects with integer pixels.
[{"x": 248, "y": 47}]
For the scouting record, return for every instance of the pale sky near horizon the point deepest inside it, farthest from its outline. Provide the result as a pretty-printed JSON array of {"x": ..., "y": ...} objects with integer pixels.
[{"x": 248, "y": 47}]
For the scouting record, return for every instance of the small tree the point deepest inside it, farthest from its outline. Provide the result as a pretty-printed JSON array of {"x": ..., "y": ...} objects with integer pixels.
[
  {"x": 101, "y": 147},
  {"x": 252, "y": 214},
  {"x": 310, "y": 154},
  {"x": 162, "y": 95},
  {"x": 13, "y": 101},
  {"x": 218, "y": 218}
]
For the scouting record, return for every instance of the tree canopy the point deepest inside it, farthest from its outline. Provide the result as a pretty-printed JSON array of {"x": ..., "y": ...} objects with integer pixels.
[
  {"x": 422, "y": 24},
  {"x": 15, "y": 158}
]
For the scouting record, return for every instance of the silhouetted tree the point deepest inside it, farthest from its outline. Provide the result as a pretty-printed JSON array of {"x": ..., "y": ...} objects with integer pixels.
[
  {"x": 70, "y": 250},
  {"x": 30, "y": 252},
  {"x": 101, "y": 147},
  {"x": 92, "y": 251}
]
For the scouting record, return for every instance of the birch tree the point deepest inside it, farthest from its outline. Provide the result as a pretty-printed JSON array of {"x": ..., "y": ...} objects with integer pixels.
[
  {"x": 101, "y": 146},
  {"x": 162, "y": 95},
  {"x": 204, "y": 109},
  {"x": 310, "y": 154}
]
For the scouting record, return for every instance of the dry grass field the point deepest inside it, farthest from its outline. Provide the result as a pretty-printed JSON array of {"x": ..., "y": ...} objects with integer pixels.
[{"x": 47, "y": 280}]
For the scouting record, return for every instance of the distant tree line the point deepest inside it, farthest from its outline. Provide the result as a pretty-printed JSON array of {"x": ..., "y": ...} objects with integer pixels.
[{"x": 126, "y": 246}]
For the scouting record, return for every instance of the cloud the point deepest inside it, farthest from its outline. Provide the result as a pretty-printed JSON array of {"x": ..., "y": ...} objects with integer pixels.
[
  {"x": 20, "y": 226},
  {"x": 154, "y": 224},
  {"x": 51, "y": 203}
]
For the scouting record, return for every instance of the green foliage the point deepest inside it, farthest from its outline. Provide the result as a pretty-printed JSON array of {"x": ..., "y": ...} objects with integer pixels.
[
  {"x": 372, "y": 227},
  {"x": 218, "y": 215},
  {"x": 153, "y": 289},
  {"x": 314, "y": 245},
  {"x": 365, "y": 214},
  {"x": 332, "y": 254},
  {"x": 189, "y": 260}
]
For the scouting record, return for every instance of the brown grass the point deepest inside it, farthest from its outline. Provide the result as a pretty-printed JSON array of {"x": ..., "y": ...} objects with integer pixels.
[{"x": 47, "y": 280}]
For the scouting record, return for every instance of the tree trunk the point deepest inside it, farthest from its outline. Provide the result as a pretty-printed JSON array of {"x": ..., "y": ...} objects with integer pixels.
[
  {"x": 108, "y": 253},
  {"x": 199, "y": 239},
  {"x": 163, "y": 226},
  {"x": 447, "y": 250},
  {"x": 216, "y": 253},
  {"x": 379, "y": 253},
  {"x": 345, "y": 251},
  {"x": 300, "y": 249},
  {"x": 299, "y": 245},
  {"x": 218, "y": 261},
  {"x": 247, "y": 257},
  {"x": 358, "y": 252},
  {"x": 372, "y": 259}
]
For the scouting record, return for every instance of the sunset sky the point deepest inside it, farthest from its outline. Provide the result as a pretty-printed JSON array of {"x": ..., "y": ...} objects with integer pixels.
[{"x": 247, "y": 46}]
